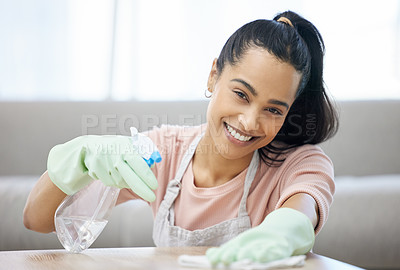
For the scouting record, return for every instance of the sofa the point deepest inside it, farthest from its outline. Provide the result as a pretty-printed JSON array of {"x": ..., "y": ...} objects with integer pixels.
[{"x": 364, "y": 223}]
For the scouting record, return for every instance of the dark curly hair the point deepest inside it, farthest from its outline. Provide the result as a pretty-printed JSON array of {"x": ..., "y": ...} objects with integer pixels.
[{"x": 312, "y": 117}]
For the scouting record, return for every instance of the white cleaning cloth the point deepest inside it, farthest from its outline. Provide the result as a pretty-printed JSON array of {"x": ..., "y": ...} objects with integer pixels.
[{"x": 202, "y": 262}]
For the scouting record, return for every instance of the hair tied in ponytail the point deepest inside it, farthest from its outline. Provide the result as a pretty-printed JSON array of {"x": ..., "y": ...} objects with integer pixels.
[{"x": 285, "y": 21}]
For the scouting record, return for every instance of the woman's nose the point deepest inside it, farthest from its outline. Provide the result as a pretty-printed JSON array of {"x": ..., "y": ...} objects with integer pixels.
[{"x": 250, "y": 120}]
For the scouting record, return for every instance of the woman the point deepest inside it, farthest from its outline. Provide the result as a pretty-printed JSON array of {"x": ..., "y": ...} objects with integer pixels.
[{"x": 251, "y": 179}]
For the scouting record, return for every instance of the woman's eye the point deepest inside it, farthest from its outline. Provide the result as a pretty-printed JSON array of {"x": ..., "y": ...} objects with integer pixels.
[
  {"x": 241, "y": 95},
  {"x": 274, "y": 111}
]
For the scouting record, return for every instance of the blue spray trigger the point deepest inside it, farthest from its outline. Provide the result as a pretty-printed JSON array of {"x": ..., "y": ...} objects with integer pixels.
[
  {"x": 156, "y": 156},
  {"x": 146, "y": 148},
  {"x": 150, "y": 162}
]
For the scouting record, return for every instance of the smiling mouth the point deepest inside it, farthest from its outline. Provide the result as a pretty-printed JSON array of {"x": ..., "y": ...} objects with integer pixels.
[{"x": 237, "y": 135}]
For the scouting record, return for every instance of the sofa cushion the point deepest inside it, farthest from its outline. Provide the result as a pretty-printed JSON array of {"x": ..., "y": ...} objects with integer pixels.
[{"x": 363, "y": 227}]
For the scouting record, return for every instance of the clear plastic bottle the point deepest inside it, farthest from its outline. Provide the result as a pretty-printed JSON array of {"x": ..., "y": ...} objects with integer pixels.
[{"x": 81, "y": 217}]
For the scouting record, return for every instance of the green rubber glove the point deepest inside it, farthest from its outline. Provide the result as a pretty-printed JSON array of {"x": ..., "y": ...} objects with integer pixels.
[
  {"x": 284, "y": 232},
  {"x": 111, "y": 159}
]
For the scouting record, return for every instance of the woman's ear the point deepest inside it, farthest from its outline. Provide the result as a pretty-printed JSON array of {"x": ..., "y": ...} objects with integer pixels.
[{"x": 212, "y": 78}]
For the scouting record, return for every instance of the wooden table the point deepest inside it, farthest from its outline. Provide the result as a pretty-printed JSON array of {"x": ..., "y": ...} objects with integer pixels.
[{"x": 128, "y": 258}]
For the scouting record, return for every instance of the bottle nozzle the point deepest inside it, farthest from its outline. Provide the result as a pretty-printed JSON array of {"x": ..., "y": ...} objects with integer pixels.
[
  {"x": 134, "y": 131},
  {"x": 146, "y": 148},
  {"x": 156, "y": 157}
]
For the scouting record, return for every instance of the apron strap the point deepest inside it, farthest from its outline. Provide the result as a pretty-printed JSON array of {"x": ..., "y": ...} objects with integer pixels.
[
  {"x": 251, "y": 173},
  {"x": 187, "y": 157},
  {"x": 174, "y": 186}
]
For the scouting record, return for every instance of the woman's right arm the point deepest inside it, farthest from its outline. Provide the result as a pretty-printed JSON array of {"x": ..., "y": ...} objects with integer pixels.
[{"x": 42, "y": 204}]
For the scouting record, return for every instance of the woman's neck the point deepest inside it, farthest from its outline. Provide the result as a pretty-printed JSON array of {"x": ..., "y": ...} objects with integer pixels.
[{"x": 211, "y": 169}]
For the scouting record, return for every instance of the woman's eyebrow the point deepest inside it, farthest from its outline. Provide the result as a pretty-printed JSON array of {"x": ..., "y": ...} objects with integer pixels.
[
  {"x": 254, "y": 92},
  {"x": 278, "y": 102},
  {"x": 247, "y": 85}
]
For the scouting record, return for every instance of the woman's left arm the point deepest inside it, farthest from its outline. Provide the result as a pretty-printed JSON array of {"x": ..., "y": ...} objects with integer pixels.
[
  {"x": 305, "y": 195},
  {"x": 285, "y": 232},
  {"x": 304, "y": 203}
]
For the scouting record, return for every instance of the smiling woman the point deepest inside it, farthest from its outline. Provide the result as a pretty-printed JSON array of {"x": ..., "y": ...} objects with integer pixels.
[
  {"x": 242, "y": 96},
  {"x": 238, "y": 181},
  {"x": 99, "y": 49}
]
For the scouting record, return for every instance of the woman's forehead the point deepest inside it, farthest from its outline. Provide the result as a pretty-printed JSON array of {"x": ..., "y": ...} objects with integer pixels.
[{"x": 264, "y": 71}]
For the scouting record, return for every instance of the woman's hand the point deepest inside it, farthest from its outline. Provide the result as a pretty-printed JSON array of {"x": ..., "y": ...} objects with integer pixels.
[
  {"x": 111, "y": 159},
  {"x": 284, "y": 232}
]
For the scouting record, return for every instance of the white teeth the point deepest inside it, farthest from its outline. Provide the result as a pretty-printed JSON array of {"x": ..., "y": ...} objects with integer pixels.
[{"x": 236, "y": 135}]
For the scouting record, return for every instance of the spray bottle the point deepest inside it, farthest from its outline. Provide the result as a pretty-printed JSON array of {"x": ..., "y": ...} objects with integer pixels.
[{"x": 81, "y": 217}]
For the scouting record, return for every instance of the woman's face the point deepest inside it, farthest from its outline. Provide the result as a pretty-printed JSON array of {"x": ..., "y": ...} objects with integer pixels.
[{"x": 249, "y": 102}]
